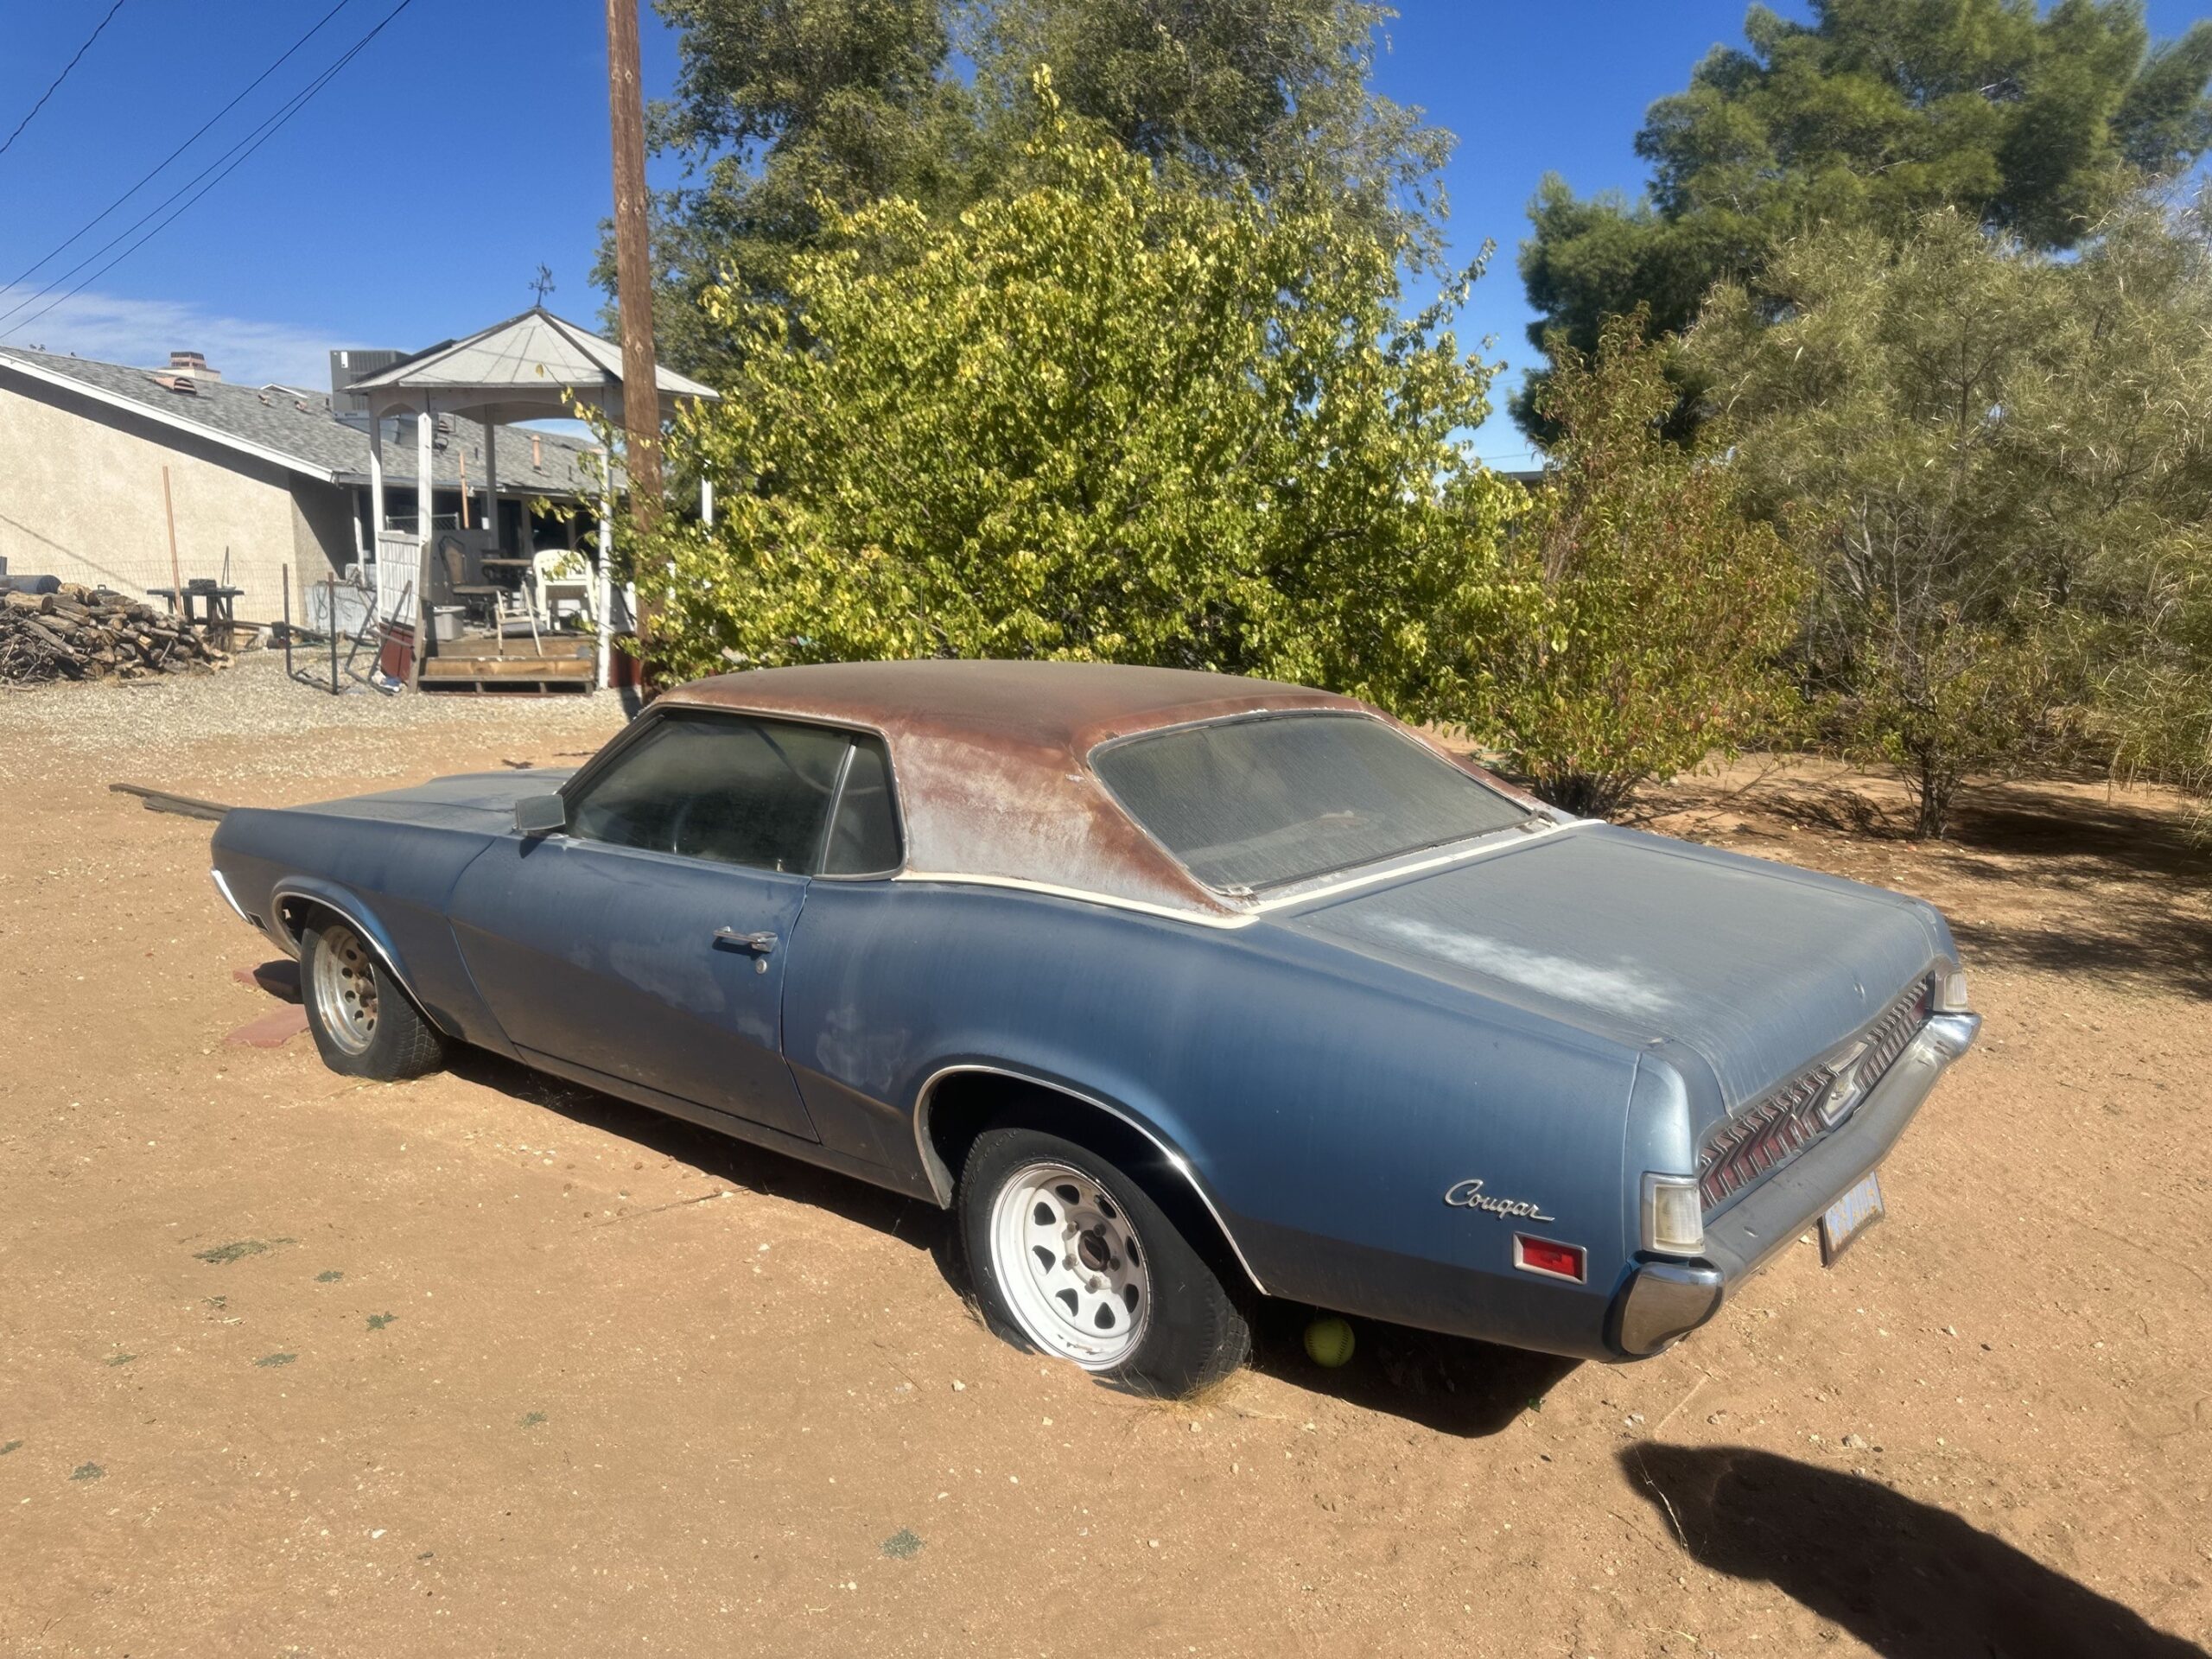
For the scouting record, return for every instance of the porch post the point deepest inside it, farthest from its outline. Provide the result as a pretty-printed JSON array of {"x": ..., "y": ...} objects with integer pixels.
[
  {"x": 376, "y": 504},
  {"x": 491, "y": 484},
  {"x": 707, "y": 502},
  {"x": 426, "y": 497},
  {"x": 602, "y": 598}
]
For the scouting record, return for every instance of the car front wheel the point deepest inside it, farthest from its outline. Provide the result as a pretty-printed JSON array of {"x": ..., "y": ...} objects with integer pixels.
[
  {"x": 363, "y": 1023},
  {"x": 1072, "y": 1258}
]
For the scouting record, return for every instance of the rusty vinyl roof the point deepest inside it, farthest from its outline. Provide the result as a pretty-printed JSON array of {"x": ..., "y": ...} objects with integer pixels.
[{"x": 989, "y": 758}]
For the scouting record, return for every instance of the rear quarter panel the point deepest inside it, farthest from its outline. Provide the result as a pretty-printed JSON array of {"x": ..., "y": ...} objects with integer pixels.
[{"x": 1326, "y": 1101}]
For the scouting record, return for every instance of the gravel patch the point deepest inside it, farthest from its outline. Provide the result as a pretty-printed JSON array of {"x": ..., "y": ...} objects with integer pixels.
[{"x": 253, "y": 722}]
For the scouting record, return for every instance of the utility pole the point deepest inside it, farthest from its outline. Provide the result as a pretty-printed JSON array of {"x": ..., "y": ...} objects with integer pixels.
[{"x": 634, "y": 271}]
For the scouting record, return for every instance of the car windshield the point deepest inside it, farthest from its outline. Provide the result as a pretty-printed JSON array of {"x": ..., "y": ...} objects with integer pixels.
[{"x": 1268, "y": 801}]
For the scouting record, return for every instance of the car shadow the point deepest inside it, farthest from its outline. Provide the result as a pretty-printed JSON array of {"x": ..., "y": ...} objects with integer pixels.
[
  {"x": 1449, "y": 1384},
  {"x": 738, "y": 1164},
  {"x": 1909, "y": 1580}
]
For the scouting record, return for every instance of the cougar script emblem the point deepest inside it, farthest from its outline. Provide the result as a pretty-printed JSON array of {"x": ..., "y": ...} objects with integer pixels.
[{"x": 1469, "y": 1195}]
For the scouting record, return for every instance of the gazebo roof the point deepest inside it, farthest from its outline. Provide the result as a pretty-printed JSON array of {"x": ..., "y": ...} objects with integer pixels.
[{"x": 519, "y": 370}]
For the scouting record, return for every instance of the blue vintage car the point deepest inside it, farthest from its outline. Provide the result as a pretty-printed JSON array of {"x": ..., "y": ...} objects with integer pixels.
[{"x": 1180, "y": 988}]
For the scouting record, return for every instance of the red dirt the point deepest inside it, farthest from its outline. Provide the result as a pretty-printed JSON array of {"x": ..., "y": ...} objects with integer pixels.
[{"x": 487, "y": 1365}]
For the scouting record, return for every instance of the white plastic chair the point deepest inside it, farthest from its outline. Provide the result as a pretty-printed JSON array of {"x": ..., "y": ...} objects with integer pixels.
[{"x": 562, "y": 577}]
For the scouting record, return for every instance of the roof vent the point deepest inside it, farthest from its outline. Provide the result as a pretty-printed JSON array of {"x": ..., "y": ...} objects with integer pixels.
[{"x": 183, "y": 382}]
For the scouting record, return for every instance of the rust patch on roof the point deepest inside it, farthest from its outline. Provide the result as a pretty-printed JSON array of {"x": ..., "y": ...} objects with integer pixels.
[{"x": 990, "y": 758}]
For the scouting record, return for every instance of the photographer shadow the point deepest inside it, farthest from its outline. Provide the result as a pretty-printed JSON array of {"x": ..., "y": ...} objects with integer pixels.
[{"x": 1909, "y": 1580}]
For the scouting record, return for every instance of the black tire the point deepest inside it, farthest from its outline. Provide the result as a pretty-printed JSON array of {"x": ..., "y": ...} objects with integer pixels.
[
  {"x": 1193, "y": 1333},
  {"x": 339, "y": 977}
]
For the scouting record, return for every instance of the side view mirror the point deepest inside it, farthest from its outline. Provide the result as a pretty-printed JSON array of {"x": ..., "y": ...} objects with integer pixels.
[{"x": 540, "y": 815}]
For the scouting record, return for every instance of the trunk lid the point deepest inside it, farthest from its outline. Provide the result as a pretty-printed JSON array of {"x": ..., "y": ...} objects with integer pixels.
[{"x": 1758, "y": 968}]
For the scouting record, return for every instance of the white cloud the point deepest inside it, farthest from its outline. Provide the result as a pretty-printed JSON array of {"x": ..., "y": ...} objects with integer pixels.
[{"x": 112, "y": 329}]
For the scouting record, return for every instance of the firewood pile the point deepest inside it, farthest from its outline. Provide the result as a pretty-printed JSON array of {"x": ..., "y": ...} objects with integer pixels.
[{"x": 92, "y": 634}]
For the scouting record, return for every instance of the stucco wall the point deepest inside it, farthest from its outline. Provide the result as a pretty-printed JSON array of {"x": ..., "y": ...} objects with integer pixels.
[{"x": 80, "y": 497}]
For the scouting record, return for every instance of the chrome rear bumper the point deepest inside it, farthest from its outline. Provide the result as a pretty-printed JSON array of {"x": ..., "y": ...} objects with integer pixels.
[{"x": 1664, "y": 1301}]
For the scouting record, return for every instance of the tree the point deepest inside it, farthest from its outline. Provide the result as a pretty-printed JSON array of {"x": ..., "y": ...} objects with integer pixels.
[
  {"x": 1642, "y": 616},
  {"x": 1102, "y": 416},
  {"x": 1997, "y": 464},
  {"x": 781, "y": 106},
  {"x": 784, "y": 108},
  {"x": 1875, "y": 113}
]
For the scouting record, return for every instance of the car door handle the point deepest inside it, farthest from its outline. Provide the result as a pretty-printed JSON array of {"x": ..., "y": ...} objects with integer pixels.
[{"x": 759, "y": 944}]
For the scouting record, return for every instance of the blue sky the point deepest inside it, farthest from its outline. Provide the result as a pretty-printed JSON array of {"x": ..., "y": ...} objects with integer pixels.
[{"x": 416, "y": 195}]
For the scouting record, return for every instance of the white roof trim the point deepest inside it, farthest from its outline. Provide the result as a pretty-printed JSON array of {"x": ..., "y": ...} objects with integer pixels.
[{"x": 162, "y": 416}]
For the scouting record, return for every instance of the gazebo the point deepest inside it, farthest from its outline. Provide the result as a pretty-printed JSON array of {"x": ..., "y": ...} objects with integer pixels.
[{"x": 534, "y": 367}]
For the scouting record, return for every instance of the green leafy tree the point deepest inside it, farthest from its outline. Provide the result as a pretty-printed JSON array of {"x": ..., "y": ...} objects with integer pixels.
[
  {"x": 1996, "y": 463},
  {"x": 1102, "y": 415},
  {"x": 1872, "y": 115},
  {"x": 1642, "y": 616},
  {"x": 787, "y": 110}
]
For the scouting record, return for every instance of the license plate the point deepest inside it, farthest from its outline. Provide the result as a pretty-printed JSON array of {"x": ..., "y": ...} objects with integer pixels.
[{"x": 1849, "y": 1216}]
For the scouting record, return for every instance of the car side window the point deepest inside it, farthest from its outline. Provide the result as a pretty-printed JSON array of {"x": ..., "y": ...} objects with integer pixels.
[
  {"x": 728, "y": 788},
  {"x": 864, "y": 840}
]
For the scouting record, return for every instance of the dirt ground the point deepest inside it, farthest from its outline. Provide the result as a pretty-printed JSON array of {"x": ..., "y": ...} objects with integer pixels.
[{"x": 480, "y": 1364}]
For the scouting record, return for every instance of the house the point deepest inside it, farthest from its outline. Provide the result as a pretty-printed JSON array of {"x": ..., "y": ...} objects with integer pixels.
[{"x": 260, "y": 478}]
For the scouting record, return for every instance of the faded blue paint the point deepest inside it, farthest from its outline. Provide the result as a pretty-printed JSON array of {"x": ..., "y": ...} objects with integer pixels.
[{"x": 1553, "y": 1018}]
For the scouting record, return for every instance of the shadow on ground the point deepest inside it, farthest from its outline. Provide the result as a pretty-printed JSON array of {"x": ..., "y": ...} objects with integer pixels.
[
  {"x": 2084, "y": 882},
  {"x": 2112, "y": 872},
  {"x": 1909, "y": 1580},
  {"x": 1445, "y": 1383},
  {"x": 733, "y": 1162}
]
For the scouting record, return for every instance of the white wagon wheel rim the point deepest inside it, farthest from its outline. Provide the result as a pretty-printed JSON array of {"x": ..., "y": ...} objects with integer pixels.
[
  {"x": 346, "y": 989},
  {"x": 1076, "y": 1275}
]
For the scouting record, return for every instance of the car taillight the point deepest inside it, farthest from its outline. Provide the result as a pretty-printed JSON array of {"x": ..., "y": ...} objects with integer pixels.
[
  {"x": 1547, "y": 1256},
  {"x": 1673, "y": 1215}
]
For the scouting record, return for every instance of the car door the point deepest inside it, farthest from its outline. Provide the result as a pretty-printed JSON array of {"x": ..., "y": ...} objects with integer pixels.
[{"x": 646, "y": 941}]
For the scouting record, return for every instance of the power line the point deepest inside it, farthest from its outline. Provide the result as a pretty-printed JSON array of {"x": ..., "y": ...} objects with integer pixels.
[
  {"x": 58, "y": 78},
  {"x": 162, "y": 165},
  {"x": 236, "y": 157}
]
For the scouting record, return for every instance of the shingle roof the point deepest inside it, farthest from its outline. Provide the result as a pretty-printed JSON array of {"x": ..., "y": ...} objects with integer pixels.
[{"x": 297, "y": 429}]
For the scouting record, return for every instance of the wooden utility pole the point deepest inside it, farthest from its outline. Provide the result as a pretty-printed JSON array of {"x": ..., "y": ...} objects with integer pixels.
[{"x": 633, "y": 270}]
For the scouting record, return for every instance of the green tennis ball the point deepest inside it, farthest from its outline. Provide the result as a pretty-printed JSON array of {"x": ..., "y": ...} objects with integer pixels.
[{"x": 1328, "y": 1342}]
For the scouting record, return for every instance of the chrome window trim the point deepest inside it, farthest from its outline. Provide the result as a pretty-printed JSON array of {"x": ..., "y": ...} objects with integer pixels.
[
  {"x": 931, "y": 1163},
  {"x": 1325, "y": 881},
  {"x": 1251, "y": 912},
  {"x": 633, "y": 734}
]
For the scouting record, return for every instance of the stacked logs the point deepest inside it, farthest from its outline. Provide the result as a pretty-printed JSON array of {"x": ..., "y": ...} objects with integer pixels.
[{"x": 92, "y": 634}]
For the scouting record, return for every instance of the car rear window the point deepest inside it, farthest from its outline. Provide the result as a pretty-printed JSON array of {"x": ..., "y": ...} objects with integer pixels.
[{"x": 1268, "y": 801}]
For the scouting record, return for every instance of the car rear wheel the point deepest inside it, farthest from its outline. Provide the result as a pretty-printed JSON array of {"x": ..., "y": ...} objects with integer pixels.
[
  {"x": 363, "y": 1023},
  {"x": 1071, "y": 1258}
]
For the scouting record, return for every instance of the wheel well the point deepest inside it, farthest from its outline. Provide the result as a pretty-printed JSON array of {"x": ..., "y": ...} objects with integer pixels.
[
  {"x": 295, "y": 912},
  {"x": 960, "y": 1105}
]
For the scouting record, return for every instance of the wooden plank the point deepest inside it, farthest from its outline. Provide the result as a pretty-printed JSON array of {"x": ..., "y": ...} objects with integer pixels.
[
  {"x": 161, "y": 800},
  {"x": 507, "y": 668}
]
